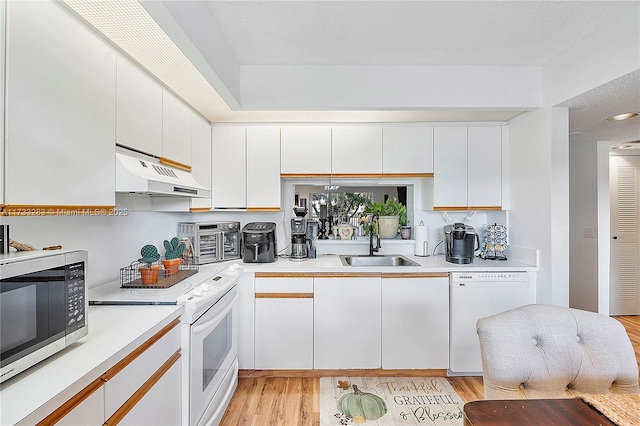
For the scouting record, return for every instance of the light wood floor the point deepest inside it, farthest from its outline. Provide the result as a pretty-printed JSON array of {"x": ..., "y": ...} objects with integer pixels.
[{"x": 264, "y": 399}]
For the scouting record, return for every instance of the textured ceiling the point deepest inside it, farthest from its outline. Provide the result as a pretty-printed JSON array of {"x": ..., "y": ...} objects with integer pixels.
[
  {"x": 588, "y": 112},
  {"x": 310, "y": 32},
  {"x": 408, "y": 32}
]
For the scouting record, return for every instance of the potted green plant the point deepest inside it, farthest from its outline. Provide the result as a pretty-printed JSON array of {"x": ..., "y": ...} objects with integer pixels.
[
  {"x": 172, "y": 260},
  {"x": 390, "y": 215},
  {"x": 149, "y": 272}
]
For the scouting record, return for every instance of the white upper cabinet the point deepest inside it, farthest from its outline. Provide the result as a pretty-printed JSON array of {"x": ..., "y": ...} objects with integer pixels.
[
  {"x": 228, "y": 173},
  {"x": 263, "y": 167},
  {"x": 356, "y": 150},
  {"x": 450, "y": 166},
  {"x": 176, "y": 129},
  {"x": 201, "y": 158},
  {"x": 484, "y": 156},
  {"x": 305, "y": 150},
  {"x": 139, "y": 109},
  {"x": 61, "y": 109},
  {"x": 407, "y": 150},
  {"x": 2, "y": 68}
]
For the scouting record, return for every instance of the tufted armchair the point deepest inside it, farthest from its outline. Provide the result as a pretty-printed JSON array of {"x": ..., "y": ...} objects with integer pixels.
[{"x": 544, "y": 351}]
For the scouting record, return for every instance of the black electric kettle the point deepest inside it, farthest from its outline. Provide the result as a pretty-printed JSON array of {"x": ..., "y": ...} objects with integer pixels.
[{"x": 461, "y": 242}]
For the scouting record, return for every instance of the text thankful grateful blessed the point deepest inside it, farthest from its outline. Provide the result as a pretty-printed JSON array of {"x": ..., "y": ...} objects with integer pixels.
[{"x": 422, "y": 401}]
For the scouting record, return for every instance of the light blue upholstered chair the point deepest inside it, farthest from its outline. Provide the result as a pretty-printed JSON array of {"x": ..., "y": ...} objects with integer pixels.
[{"x": 544, "y": 351}]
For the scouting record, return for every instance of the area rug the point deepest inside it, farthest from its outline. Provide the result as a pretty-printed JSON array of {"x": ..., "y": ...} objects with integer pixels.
[{"x": 389, "y": 401}]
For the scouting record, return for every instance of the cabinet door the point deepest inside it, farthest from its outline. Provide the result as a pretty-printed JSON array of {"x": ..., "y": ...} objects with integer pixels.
[
  {"x": 2, "y": 68},
  {"x": 284, "y": 322},
  {"x": 284, "y": 332},
  {"x": 407, "y": 303},
  {"x": 228, "y": 175},
  {"x": 407, "y": 150},
  {"x": 356, "y": 150},
  {"x": 161, "y": 405},
  {"x": 176, "y": 129},
  {"x": 450, "y": 167},
  {"x": 201, "y": 158},
  {"x": 347, "y": 322},
  {"x": 61, "y": 109},
  {"x": 119, "y": 388},
  {"x": 138, "y": 109},
  {"x": 263, "y": 167},
  {"x": 484, "y": 166},
  {"x": 306, "y": 151},
  {"x": 88, "y": 412}
]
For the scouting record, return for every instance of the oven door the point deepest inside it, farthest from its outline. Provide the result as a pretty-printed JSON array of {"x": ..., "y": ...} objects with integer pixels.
[
  {"x": 214, "y": 347},
  {"x": 231, "y": 245},
  {"x": 209, "y": 245},
  {"x": 33, "y": 312}
]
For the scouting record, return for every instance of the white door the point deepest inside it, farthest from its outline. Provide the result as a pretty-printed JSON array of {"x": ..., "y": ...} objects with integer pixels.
[{"x": 625, "y": 243}]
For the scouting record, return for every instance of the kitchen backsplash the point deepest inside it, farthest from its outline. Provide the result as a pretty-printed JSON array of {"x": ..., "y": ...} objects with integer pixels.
[{"x": 114, "y": 241}]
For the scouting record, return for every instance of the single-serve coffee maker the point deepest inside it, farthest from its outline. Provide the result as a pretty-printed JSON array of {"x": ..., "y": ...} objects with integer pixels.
[
  {"x": 461, "y": 242},
  {"x": 299, "y": 249}
]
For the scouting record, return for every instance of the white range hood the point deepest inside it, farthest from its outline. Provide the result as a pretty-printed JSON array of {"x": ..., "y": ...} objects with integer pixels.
[{"x": 138, "y": 175}]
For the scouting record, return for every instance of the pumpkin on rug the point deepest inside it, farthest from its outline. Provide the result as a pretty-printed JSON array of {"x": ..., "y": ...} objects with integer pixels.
[{"x": 389, "y": 401}]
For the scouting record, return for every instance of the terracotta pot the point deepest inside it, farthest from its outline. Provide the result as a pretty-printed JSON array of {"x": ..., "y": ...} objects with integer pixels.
[
  {"x": 149, "y": 275},
  {"x": 171, "y": 266}
]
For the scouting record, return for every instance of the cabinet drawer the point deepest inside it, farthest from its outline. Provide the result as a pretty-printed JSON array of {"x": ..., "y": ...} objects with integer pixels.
[
  {"x": 119, "y": 387},
  {"x": 295, "y": 284}
]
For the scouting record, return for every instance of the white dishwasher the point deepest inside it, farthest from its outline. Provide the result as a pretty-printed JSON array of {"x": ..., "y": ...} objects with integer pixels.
[{"x": 477, "y": 295}]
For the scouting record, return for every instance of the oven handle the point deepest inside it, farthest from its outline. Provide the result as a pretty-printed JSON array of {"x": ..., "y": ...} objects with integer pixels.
[{"x": 215, "y": 320}]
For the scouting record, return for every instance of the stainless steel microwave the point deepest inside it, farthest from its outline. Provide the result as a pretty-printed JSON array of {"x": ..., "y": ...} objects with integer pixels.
[
  {"x": 43, "y": 306},
  {"x": 212, "y": 241}
]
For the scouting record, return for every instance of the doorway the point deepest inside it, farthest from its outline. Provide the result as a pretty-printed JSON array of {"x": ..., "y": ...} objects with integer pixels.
[{"x": 625, "y": 235}]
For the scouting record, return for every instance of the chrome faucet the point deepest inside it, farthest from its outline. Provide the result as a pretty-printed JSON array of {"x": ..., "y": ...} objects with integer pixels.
[{"x": 373, "y": 248}]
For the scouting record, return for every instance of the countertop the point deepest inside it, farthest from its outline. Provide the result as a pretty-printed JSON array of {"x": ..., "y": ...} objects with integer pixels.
[
  {"x": 437, "y": 263},
  {"x": 114, "y": 331}
]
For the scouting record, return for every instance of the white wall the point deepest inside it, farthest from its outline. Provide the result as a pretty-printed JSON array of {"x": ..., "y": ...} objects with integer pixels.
[
  {"x": 583, "y": 212},
  {"x": 539, "y": 215},
  {"x": 349, "y": 86},
  {"x": 114, "y": 242}
]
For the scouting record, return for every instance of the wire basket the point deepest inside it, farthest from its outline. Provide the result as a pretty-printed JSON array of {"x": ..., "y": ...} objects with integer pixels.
[{"x": 132, "y": 276}]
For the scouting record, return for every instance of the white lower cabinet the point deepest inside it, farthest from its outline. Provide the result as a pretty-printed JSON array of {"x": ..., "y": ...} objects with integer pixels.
[
  {"x": 121, "y": 386},
  {"x": 88, "y": 412},
  {"x": 415, "y": 321},
  {"x": 284, "y": 322},
  {"x": 143, "y": 388},
  {"x": 161, "y": 405},
  {"x": 347, "y": 322}
]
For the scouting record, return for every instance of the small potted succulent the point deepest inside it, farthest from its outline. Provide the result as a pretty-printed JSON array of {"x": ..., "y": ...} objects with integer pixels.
[
  {"x": 172, "y": 260},
  {"x": 149, "y": 272}
]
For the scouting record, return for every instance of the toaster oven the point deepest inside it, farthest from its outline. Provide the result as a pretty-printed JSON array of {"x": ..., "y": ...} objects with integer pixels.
[{"x": 212, "y": 241}]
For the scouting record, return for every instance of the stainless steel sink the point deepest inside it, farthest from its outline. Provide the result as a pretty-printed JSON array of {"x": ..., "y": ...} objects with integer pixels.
[{"x": 381, "y": 260}]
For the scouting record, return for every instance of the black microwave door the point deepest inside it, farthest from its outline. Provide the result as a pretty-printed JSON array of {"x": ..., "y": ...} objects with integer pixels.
[{"x": 32, "y": 312}]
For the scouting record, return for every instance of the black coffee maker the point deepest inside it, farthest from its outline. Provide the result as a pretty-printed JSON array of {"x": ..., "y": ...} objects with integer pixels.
[
  {"x": 461, "y": 241},
  {"x": 299, "y": 248}
]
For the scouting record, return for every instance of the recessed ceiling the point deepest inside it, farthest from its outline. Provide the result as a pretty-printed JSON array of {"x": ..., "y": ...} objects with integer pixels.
[
  {"x": 407, "y": 32},
  {"x": 225, "y": 36}
]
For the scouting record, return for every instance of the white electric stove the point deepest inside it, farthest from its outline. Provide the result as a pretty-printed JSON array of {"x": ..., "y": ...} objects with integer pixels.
[
  {"x": 208, "y": 330},
  {"x": 217, "y": 278}
]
